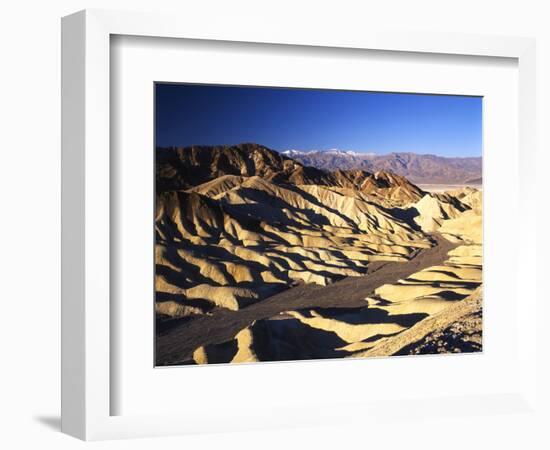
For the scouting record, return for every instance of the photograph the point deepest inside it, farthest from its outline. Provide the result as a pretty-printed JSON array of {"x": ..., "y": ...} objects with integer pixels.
[{"x": 296, "y": 224}]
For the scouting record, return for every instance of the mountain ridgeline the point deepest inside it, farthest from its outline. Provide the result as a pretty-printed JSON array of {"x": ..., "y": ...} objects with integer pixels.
[
  {"x": 423, "y": 169},
  {"x": 183, "y": 168}
]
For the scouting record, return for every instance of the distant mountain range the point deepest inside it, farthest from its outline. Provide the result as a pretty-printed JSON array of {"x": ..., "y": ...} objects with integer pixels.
[{"x": 422, "y": 169}]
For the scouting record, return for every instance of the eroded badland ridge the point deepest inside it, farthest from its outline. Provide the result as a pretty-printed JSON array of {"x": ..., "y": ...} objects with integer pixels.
[{"x": 259, "y": 257}]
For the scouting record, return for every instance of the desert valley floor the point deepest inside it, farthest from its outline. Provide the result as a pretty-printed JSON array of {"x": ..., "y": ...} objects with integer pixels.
[{"x": 262, "y": 258}]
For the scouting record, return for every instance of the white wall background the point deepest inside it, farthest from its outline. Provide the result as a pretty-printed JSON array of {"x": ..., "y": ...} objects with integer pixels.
[{"x": 30, "y": 193}]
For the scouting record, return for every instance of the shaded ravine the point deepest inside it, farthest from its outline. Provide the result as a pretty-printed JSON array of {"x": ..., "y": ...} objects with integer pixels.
[{"x": 177, "y": 345}]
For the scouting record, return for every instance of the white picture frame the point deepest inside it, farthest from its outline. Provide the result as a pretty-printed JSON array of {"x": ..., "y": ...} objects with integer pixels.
[{"x": 86, "y": 246}]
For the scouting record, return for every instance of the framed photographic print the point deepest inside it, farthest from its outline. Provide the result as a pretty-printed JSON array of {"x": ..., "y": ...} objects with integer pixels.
[
  {"x": 269, "y": 229},
  {"x": 269, "y": 253}
]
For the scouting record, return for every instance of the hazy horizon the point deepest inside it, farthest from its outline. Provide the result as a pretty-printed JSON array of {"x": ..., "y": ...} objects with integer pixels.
[
  {"x": 318, "y": 120},
  {"x": 305, "y": 151}
]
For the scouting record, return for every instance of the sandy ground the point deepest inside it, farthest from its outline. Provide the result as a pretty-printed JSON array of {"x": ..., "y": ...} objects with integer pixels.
[
  {"x": 177, "y": 344},
  {"x": 457, "y": 329}
]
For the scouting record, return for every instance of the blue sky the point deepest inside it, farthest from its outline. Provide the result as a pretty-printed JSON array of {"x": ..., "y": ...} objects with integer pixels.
[{"x": 315, "y": 119}]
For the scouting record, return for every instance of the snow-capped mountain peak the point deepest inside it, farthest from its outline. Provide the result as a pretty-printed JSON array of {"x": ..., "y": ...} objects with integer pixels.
[{"x": 331, "y": 151}]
